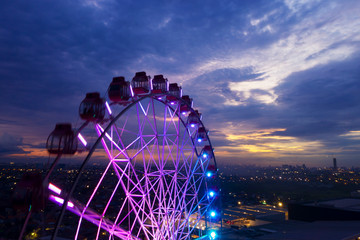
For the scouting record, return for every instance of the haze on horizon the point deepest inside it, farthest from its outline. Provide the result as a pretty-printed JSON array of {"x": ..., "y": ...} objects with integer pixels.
[{"x": 277, "y": 82}]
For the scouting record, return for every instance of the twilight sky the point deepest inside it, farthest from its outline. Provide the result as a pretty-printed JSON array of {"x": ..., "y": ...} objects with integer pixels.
[{"x": 278, "y": 82}]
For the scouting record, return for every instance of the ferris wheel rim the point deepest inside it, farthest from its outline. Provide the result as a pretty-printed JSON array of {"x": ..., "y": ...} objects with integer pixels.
[{"x": 109, "y": 125}]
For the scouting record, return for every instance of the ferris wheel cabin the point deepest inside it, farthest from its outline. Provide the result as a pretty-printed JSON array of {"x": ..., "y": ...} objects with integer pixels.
[
  {"x": 140, "y": 83},
  {"x": 92, "y": 108},
  {"x": 30, "y": 191},
  {"x": 62, "y": 140},
  {"x": 160, "y": 84},
  {"x": 202, "y": 134},
  {"x": 207, "y": 152},
  {"x": 211, "y": 171},
  {"x": 194, "y": 118},
  {"x": 119, "y": 90},
  {"x": 175, "y": 91},
  {"x": 186, "y": 105}
]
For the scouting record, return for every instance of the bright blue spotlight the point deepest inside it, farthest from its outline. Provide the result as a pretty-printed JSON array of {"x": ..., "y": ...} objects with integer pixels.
[
  {"x": 208, "y": 174},
  {"x": 212, "y": 213},
  {"x": 192, "y": 125},
  {"x": 204, "y": 155},
  {"x": 211, "y": 193},
  {"x": 213, "y": 234},
  {"x": 199, "y": 140}
]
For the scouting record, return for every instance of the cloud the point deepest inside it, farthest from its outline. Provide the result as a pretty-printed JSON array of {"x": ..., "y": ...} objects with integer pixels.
[
  {"x": 250, "y": 65},
  {"x": 10, "y": 144}
]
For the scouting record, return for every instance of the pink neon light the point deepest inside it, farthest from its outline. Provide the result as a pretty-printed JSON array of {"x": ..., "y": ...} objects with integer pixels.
[
  {"x": 54, "y": 188},
  {"x": 108, "y": 107},
  {"x": 82, "y": 139},
  {"x": 132, "y": 92},
  {"x": 61, "y": 201}
]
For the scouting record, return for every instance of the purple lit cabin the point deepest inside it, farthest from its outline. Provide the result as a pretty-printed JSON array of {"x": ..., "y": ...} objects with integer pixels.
[
  {"x": 160, "y": 84},
  {"x": 211, "y": 171},
  {"x": 175, "y": 91},
  {"x": 202, "y": 134},
  {"x": 207, "y": 152},
  {"x": 30, "y": 191},
  {"x": 140, "y": 83},
  {"x": 119, "y": 90},
  {"x": 62, "y": 140},
  {"x": 92, "y": 108},
  {"x": 194, "y": 118},
  {"x": 186, "y": 105}
]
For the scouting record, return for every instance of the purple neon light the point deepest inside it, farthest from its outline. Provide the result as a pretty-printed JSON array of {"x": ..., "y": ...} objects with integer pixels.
[
  {"x": 108, "y": 108},
  {"x": 82, "y": 139},
  {"x": 60, "y": 201},
  {"x": 54, "y": 188},
  {"x": 132, "y": 92}
]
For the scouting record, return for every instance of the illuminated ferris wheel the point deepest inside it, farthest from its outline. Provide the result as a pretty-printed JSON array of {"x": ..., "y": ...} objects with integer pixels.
[{"x": 155, "y": 168}]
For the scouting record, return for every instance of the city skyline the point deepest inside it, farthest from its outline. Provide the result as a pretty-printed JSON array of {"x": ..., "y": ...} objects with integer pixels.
[{"x": 277, "y": 82}]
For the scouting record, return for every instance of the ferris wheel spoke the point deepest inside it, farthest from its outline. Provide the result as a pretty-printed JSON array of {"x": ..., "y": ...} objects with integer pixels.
[{"x": 154, "y": 184}]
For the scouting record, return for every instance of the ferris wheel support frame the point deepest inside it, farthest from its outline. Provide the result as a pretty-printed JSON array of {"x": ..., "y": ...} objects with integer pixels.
[{"x": 102, "y": 134}]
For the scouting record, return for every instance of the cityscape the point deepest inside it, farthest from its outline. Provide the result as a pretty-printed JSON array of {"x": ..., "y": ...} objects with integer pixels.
[{"x": 255, "y": 200}]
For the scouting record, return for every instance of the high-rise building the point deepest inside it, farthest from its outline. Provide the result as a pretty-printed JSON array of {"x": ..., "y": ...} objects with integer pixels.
[{"x": 335, "y": 165}]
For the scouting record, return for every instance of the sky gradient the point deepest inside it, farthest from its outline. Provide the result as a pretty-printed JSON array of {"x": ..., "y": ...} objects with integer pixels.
[{"x": 277, "y": 82}]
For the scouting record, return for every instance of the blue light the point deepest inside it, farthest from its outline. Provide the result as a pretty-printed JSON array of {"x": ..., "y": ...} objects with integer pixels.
[
  {"x": 199, "y": 140},
  {"x": 192, "y": 125},
  {"x": 213, "y": 234},
  {"x": 211, "y": 193},
  {"x": 204, "y": 155},
  {"x": 212, "y": 213},
  {"x": 208, "y": 174}
]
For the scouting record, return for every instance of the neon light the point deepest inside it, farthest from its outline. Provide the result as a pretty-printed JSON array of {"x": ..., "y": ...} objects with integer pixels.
[
  {"x": 61, "y": 201},
  {"x": 132, "y": 92},
  {"x": 213, "y": 214},
  {"x": 213, "y": 234},
  {"x": 212, "y": 193},
  {"x": 108, "y": 107},
  {"x": 192, "y": 125},
  {"x": 199, "y": 140},
  {"x": 82, "y": 139},
  {"x": 204, "y": 155},
  {"x": 54, "y": 188},
  {"x": 209, "y": 174},
  {"x": 142, "y": 109}
]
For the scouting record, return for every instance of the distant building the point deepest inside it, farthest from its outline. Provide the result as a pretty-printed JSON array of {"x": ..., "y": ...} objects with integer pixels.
[{"x": 334, "y": 164}]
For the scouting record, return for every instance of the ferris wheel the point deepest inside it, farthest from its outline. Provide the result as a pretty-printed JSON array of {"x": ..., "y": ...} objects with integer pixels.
[{"x": 148, "y": 172}]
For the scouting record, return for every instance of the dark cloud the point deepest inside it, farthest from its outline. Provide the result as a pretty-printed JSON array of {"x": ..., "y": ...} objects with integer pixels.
[
  {"x": 10, "y": 144},
  {"x": 322, "y": 102}
]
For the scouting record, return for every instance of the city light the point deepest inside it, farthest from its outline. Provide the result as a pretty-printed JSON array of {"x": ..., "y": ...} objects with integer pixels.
[
  {"x": 208, "y": 174},
  {"x": 212, "y": 213}
]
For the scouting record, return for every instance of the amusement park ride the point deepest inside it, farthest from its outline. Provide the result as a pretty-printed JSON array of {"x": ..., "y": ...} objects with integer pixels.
[{"x": 158, "y": 177}]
